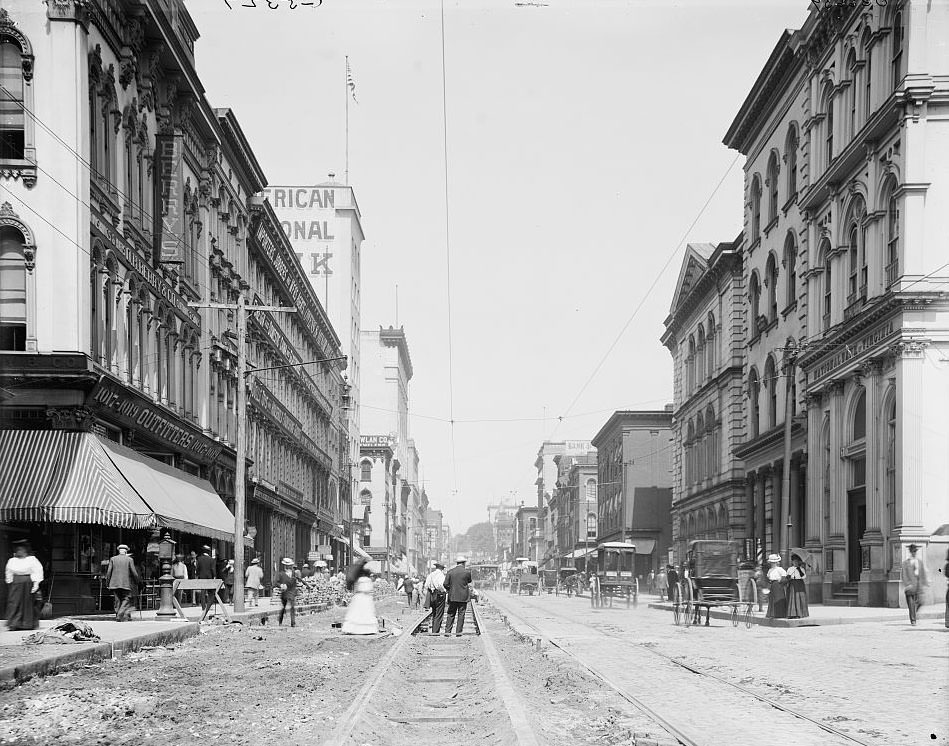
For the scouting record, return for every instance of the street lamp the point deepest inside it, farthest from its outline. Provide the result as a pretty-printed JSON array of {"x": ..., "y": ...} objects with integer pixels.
[{"x": 166, "y": 552}]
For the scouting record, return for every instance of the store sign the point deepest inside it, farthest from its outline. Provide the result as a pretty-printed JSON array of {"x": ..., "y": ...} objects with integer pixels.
[
  {"x": 846, "y": 352},
  {"x": 42, "y": 363},
  {"x": 377, "y": 553},
  {"x": 134, "y": 412},
  {"x": 376, "y": 441},
  {"x": 312, "y": 556},
  {"x": 324, "y": 549},
  {"x": 307, "y": 216}
]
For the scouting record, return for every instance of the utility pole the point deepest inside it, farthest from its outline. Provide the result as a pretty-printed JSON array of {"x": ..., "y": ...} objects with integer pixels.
[
  {"x": 790, "y": 357},
  {"x": 622, "y": 537},
  {"x": 241, "y": 445}
]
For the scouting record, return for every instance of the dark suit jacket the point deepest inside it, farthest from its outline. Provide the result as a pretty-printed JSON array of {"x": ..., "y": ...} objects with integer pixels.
[
  {"x": 288, "y": 580},
  {"x": 457, "y": 581},
  {"x": 122, "y": 573},
  {"x": 205, "y": 567}
]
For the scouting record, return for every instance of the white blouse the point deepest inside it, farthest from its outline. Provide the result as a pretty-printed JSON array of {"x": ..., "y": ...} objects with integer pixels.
[
  {"x": 24, "y": 566},
  {"x": 776, "y": 573}
]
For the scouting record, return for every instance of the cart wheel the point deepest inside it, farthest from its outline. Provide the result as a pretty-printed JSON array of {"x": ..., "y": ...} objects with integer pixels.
[
  {"x": 750, "y": 601},
  {"x": 677, "y": 605},
  {"x": 690, "y": 607}
]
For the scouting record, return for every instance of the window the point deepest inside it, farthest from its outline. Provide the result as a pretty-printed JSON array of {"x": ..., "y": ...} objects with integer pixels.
[
  {"x": 755, "y": 208},
  {"x": 590, "y": 494},
  {"x": 689, "y": 450},
  {"x": 772, "y": 280},
  {"x": 690, "y": 366},
  {"x": 700, "y": 361},
  {"x": 773, "y": 187},
  {"x": 892, "y": 236},
  {"x": 365, "y": 471},
  {"x": 867, "y": 75},
  {"x": 790, "y": 262},
  {"x": 828, "y": 107},
  {"x": 791, "y": 159},
  {"x": 12, "y": 290},
  {"x": 828, "y": 285},
  {"x": 591, "y": 525},
  {"x": 896, "y": 61},
  {"x": 754, "y": 295},
  {"x": 852, "y": 92},
  {"x": 711, "y": 444},
  {"x": 858, "y": 429},
  {"x": 771, "y": 381},
  {"x": 700, "y": 448},
  {"x": 857, "y": 277},
  {"x": 710, "y": 343},
  {"x": 754, "y": 392},
  {"x": 12, "y": 103}
]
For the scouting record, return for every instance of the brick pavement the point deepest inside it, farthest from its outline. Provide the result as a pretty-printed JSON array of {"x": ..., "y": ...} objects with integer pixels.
[{"x": 881, "y": 683}]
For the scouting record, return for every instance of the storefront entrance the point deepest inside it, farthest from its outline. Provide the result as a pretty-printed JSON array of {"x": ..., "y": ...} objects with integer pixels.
[{"x": 856, "y": 527}]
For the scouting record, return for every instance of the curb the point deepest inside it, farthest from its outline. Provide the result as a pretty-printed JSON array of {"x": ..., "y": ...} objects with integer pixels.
[{"x": 760, "y": 620}]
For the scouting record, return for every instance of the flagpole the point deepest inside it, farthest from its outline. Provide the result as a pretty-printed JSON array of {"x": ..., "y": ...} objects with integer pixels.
[{"x": 346, "y": 89}]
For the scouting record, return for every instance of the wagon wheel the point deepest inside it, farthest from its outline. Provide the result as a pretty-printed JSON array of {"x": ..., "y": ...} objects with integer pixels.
[
  {"x": 689, "y": 605},
  {"x": 749, "y": 601},
  {"x": 676, "y": 604}
]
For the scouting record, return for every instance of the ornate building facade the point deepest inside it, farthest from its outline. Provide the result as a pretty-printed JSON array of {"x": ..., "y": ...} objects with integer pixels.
[
  {"x": 126, "y": 201},
  {"x": 861, "y": 95}
]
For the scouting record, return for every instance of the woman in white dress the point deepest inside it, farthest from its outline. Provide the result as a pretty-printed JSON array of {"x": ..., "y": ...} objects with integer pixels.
[{"x": 361, "y": 612}]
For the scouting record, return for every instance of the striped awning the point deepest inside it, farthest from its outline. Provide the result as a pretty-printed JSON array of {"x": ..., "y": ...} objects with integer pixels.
[{"x": 51, "y": 475}]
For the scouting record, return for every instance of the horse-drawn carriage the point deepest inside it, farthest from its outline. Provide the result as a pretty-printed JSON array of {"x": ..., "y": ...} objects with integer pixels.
[
  {"x": 524, "y": 576},
  {"x": 548, "y": 580},
  {"x": 615, "y": 575},
  {"x": 569, "y": 582},
  {"x": 711, "y": 578}
]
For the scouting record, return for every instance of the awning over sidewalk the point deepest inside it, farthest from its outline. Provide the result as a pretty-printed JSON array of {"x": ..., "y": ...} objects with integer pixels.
[
  {"x": 178, "y": 500},
  {"x": 577, "y": 553},
  {"x": 644, "y": 546},
  {"x": 50, "y": 475}
]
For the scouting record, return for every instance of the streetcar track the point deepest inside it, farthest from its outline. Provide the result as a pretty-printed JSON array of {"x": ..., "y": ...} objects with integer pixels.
[
  {"x": 673, "y": 729},
  {"x": 395, "y": 669}
]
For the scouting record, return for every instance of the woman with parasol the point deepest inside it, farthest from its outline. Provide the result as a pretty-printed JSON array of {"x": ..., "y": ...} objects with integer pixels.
[{"x": 797, "y": 588}]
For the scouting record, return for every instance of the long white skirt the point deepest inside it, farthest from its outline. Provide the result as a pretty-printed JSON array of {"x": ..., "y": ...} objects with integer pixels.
[{"x": 361, "y": 615}]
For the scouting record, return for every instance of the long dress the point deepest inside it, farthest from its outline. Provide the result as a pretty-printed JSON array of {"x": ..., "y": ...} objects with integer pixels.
[
  {"x": 21, "y": 573},
  {"x": 777, "y": 598},
  {"x": 361, "y": 612},
  {"x": 797, "y": 594}
]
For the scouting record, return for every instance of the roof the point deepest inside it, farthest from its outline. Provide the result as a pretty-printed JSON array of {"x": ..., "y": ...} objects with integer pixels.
[
  {"x": 694, "y": 263},
  {"x": 396, "y": 337},
  {"x": 650, "y": 419}
]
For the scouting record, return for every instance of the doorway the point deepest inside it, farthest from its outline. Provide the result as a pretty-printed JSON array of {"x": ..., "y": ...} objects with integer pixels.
[{"x": 856, "y": 527}]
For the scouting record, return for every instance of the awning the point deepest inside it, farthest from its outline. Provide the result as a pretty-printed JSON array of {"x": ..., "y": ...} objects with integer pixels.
[
  {"x": 51, "y": 475},
  {"x": 644, "y": 546},
  {"x": 178, "y": 500},
  {"x": 342, "y": 540},
  {"x": 577, "y": 553}
]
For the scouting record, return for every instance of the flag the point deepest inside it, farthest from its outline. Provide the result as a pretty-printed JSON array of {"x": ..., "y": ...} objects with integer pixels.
[{"x": 350, "y": 83}]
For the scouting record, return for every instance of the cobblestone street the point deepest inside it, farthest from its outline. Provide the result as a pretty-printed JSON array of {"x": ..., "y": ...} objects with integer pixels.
[{"x": 861, "y": 679}]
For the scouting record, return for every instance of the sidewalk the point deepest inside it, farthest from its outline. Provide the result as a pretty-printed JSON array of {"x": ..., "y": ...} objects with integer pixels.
[
  {"x": 19, "y": 662},
  {"x": 820, "y": 615}
]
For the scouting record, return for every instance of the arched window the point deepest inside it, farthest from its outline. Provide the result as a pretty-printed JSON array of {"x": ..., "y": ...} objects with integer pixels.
[
  {"x": 828, "y": 289},
  {"x": 892, "y": 235},
  {"x": 365, "y": 471},
  {"x": 689, "y": 446},
  {"x": 852, "y": 93},
  {"x": 858, "y": 426},
  {"x": 108, "y": 307},
  {"x": 771, "y": 381},
  {"x": 12, "y": 101},
  {"x": 790, "y": 262},
  {"x": 700, "y": 448},
  {"x": 771, "y": 273},
  {"x": 857, "y": 280},
  {"x": 711, "y": 343},
  {"x": 700, "y": 352},
  {"x": 790, "y": 156},
  {"x": 755, "y": 208},
  {"x": 754, "y": 394},
  {"x": 131, "y": 334},
  {"x": 867, "y": 74},
  {"x": 896, "y": 60},
  {"x": 591, "y": 525},
  {"x": 690, "y": 366},
  {"x": 827, "y": 107},
  {"x": 711, "y": 443},
  {"x": 590, "y": 492},
  {"x": 12, "y": 289},
  {"x": 773, "y": 187},
  {"x": 754, "y": 296}
]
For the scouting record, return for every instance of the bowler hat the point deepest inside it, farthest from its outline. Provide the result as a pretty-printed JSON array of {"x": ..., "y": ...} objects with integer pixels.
[{"x": 912, "y": 547}]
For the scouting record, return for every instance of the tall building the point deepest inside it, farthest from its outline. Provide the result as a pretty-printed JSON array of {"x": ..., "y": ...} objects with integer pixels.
[
  {"x": 634, "y": 461},
  {"x": 324, "y": 225},
  {"x": 575, "y": 505},
  {"x": 705, "y": 334},
  {"x": 546, "y": 483},
  {"x": 846, "y": 191},
  {"x": 127, "y": 199}
]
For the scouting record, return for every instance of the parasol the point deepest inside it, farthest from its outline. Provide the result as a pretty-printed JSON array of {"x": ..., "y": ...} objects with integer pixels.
[{"x": 803, "y": 554}]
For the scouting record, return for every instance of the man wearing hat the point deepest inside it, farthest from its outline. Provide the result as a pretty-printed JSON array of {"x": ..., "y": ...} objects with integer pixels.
[
  {"x": 120, "y": 577},
  {"x": 435, "y": 585},
  {"x": 287, "y": 583},
  {"x": 253, "y": 582},
  {"x": 913, "y": 577},
  {"x": 456, "y": 585},
  {"x": 205, "y": 571}
]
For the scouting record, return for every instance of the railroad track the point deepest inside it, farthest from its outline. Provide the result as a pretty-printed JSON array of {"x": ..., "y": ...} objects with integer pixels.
[
  {"x": 437, "y": 689},
  {"x": 685, "y": 733}
]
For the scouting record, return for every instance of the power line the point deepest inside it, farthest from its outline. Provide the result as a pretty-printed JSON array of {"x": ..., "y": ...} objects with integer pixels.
[{"x": 652, "y": 287}]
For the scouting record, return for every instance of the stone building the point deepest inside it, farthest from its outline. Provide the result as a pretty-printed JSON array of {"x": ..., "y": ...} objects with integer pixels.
[
  {"x": 634, "y": 463},
  {"x": 127, "y": 199},
  {"x": 847, "y": 124},
  {"x": 575, "y": 502},
  {"x": 705, "y": 334}
]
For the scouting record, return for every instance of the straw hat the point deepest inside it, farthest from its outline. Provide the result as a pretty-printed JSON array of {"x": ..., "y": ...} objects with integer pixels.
[
  {"x": 286, "y": 562},
  {"x": 774, "y": 558}
]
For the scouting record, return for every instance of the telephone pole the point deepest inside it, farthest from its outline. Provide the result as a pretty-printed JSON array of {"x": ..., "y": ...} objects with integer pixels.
[{"x": 241, "y": 446}]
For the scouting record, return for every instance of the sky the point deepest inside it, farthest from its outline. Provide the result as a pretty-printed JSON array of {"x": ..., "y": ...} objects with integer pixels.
[{"x": 583, "y": 140}]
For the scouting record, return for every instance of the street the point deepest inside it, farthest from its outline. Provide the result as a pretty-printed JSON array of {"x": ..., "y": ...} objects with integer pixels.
[{"x": 833, "y": 674}]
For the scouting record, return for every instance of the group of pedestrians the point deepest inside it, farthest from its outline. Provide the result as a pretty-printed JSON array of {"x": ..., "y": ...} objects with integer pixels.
[
  {"x": 787, "y": 591},
  {"x": 449, "y": 591}
]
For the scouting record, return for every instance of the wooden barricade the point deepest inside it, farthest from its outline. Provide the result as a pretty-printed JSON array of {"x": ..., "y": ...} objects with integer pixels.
[{"x": 200, "y": 585}]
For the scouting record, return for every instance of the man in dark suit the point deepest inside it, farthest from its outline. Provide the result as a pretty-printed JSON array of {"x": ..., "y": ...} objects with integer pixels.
[
  {"x": 287, "y": 583},
  {"x": 205, "y": 569},
  {"x": 120, "y": 578},
  {"x": 456, "y": 584}
]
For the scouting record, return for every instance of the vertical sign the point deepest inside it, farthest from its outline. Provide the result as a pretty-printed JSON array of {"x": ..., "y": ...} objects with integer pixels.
[{"x": 171, "y": 174}]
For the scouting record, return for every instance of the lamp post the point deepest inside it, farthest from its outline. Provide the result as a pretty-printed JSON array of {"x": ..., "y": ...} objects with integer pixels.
[{"x": 166, "y": 552}]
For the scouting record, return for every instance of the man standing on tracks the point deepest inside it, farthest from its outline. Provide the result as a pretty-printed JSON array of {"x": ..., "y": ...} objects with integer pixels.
[
  {"x": 205, "y": 571},
  {"x": 435, "y": 585},
  {"x": 457, "y": 583}
]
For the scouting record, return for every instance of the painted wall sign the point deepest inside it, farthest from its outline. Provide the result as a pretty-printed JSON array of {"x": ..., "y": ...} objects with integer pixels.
[
  {"x": 136, "y": 413},
  {"x": 307, "y": 216},
  {"x": 375, "y": 441},
  {"x": 171, "y": 178}
]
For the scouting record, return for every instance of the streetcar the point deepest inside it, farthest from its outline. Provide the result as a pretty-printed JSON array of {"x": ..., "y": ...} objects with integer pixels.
[
  {"x": 615, "y": 575},
  {"x": 711, "y": 578}
]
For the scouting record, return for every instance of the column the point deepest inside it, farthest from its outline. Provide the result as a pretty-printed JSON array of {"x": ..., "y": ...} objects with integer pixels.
[
  {"x": 792, "y": 506},
  {"x": 750, "y": 510},
  {"x": 772, "y": 502},
  {"x": 814, "y": 511},
  {"x": 760, "y": 502}
]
